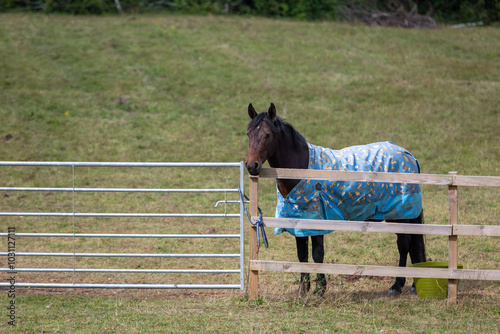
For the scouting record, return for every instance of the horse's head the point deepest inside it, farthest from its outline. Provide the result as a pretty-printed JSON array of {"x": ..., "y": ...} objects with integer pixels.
[{"x": 262, "y": 138}]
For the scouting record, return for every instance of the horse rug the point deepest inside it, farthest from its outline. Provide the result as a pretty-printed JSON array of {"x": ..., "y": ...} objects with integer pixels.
[{"x": 346, "y": 200}]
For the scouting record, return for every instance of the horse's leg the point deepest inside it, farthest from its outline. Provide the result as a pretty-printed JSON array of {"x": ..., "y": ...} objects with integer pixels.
[
  {"x": 417, "y": 247},
  {"x": 303, "y": 255},
  {"x": 318, "y": 249},
  {"x": 403, "y": 248}
]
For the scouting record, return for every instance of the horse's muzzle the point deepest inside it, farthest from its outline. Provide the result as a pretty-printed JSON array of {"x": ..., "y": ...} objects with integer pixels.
[{"x": 253, "y": 168}]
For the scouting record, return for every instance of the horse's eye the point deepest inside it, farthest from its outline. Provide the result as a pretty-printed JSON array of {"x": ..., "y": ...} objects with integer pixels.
[{"x": 268, "y": 135}]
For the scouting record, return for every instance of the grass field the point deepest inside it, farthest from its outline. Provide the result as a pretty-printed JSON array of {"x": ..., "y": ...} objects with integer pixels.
[{"x": 176, "y": 88}]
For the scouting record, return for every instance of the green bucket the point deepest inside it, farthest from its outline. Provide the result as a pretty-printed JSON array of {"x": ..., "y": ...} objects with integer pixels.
[{"x": 432, "y": 288}]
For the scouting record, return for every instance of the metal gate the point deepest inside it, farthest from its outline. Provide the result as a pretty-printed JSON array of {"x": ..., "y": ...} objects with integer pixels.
[{"x": 13, "y": 235}]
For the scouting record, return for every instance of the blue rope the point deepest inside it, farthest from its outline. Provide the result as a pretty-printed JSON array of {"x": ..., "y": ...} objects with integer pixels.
[{"x": 259, "y": 224}]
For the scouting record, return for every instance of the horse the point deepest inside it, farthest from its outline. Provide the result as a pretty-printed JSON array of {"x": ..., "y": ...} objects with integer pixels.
[{"x": 273, "y": 140}]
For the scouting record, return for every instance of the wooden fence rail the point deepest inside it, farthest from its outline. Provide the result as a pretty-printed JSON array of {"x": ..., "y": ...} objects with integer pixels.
[
  {"x": 432, "y": 179},
  {"x": 452, "y": 230}
]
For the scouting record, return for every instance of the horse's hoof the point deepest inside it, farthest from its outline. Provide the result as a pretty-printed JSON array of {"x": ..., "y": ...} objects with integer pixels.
[
  {"x": 413, "y": 290},
  {"x": 393, "y": 293}
]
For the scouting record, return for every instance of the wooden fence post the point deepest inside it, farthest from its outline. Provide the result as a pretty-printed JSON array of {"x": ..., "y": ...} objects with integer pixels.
[
  {"x": 453, "y": 239},
  {"x": 254, "y": 251}
]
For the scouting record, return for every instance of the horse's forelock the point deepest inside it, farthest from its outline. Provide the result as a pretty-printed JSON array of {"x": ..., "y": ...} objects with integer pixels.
[
  {"x": 277, "y": 125},
  {"x": 262, "y": 117}
]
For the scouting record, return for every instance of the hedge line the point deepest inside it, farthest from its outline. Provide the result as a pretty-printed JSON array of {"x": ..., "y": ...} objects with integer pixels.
[{"x": 443, "y": 10}]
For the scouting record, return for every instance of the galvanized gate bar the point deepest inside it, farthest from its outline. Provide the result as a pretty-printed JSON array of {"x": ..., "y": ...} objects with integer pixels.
[
  {"x": 118, "y": 235},
  {"x": 135, "y": 190},
  {"x": 74, "y": 214},
  {"x": 118, "y": 254},
  {"x": 124, "y": 286},
  {"x": 242, "y": 226},
  {"x": 119, "y": 164},
  {"x": 136, "y": 215},
  {"x": 110, "y": 270}
]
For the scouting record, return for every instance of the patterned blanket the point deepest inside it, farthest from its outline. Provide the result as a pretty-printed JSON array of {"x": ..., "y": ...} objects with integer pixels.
[{"x": 358, "y": 201}]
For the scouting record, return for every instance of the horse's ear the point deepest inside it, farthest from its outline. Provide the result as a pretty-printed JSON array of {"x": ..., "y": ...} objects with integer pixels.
[
  {"x": 271, "y": 112},
  {"x": 251, "y": 111}
]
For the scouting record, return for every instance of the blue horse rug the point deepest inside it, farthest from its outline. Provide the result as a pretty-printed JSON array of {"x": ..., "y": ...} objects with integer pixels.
[{"x": 358, "y": 201}]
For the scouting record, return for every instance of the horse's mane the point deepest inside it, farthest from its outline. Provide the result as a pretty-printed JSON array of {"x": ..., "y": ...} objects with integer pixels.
[{"x": 278, "y": 125}]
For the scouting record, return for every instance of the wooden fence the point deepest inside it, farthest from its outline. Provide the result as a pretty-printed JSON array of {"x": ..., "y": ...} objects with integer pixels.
[{"x": 452, "y": 230}]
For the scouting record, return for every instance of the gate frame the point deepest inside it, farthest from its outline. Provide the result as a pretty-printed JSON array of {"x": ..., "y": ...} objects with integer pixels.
[
  {"x": 74, "y": 235},
  {"x": 453, "y": 230}
]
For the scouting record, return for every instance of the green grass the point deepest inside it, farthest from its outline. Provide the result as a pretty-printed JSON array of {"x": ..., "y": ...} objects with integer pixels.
[
  {"x": 217, "y": 313},
  {"x": 176, "y": 88}
]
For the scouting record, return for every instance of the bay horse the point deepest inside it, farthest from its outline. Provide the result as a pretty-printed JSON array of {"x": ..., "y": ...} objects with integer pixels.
[{"x": 272, "y": 139}]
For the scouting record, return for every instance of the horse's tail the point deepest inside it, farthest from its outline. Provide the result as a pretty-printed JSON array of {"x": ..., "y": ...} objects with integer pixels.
[{"x": 417, "y": 245}]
